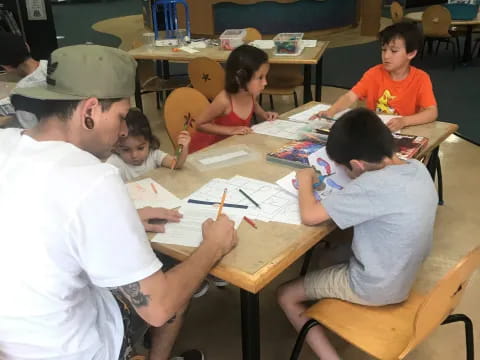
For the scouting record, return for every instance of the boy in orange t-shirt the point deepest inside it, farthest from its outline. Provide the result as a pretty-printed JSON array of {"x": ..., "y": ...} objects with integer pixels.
[{"x": 394, "y": 87}]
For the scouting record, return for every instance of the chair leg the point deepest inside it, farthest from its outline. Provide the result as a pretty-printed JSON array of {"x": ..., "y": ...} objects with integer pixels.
[
  {"x": 440, "y": 182},
  {"x": 260, "y": 98},
  {"x": 271, "y": 102},
  {"x": 157, "y": 98},
  {"x": 301, "y": 338},
  {"x": 438, "y": 45},
  {"x": 422, "y": 49},
  {"x": 458, "y": 46},
  {"x": 454, "y": 51},
  {"x": 468, "y": 331},
  {"x": 295, "y": 98}
]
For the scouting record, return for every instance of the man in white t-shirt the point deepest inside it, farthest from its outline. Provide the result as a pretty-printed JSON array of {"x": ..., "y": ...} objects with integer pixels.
[
  {"x": 15, "y": 57},
  {"x": 70, "y": 233}
]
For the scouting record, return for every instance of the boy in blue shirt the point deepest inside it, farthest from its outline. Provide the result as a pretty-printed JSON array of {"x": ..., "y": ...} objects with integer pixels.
[{"x": 390, "y": 203}]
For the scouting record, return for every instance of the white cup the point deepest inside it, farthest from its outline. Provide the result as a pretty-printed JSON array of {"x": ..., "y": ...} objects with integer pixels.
[{"x": 149, "y": 40}]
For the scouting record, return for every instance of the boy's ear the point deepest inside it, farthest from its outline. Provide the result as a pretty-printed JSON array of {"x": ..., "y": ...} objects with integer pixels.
[{"x": 412, "y": 54}]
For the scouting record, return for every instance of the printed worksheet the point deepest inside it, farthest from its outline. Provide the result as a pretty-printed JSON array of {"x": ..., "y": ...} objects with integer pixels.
[
  {"x": 275, "y": 204},
  {"x": 280, "y": 128},
  {"x": 188, "y": 232},
  {"x": 305, "y": 116}
]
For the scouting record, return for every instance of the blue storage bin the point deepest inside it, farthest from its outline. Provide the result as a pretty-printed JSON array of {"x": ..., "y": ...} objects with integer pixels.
[{"x": 462, "y": 11}]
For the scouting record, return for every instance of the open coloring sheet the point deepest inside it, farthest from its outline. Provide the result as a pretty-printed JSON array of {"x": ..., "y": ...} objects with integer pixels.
[
  {"x": 280, "y": 128},
  {"x": 188, "y": 232},
  {"x": 305, "y": 116},
  {"x": 148, "y": 192},
  {"x": 275, "y": 204},
  {"x": 325, "y": 166}
]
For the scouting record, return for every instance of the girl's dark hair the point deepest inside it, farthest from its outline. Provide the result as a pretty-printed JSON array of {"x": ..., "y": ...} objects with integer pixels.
[
  {"x": 241, "y": 65},
  {"x": 359, "y": 134},
  {"x": 138, "y": 125}
]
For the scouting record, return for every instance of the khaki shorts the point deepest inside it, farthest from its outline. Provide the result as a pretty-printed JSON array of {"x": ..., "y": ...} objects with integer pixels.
[{"x": 331, "y": 282}]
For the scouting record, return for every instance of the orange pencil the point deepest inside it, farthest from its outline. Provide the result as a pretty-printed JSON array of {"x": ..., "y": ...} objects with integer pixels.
[
  {"x": 250, "y": 221},
  {"x": 154, "y": 188},
  {"x": 221, "y": 203}
]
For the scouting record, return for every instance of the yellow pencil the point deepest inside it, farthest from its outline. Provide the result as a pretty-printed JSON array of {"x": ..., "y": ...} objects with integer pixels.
[{"x": 221, "y": 203}]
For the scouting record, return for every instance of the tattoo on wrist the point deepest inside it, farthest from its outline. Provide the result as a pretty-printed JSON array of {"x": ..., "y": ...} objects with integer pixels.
[{"x": 133, "y": 292}]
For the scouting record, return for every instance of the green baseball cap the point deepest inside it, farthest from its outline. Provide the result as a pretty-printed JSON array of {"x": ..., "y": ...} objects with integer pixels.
[{"x": 83, "y": 71}]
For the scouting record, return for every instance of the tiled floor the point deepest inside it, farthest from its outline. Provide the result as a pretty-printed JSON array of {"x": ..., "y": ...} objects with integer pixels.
[{"x": 213, "y": 322}]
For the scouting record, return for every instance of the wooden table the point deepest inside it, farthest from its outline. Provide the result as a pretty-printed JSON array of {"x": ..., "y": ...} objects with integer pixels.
[
  {"x": 468, "y": 24},
  {"x": 309, "y": 57},
  {"x": 261, "y": 255}
]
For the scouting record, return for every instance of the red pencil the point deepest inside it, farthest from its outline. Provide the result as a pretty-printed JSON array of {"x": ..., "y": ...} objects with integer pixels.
[
  {"x": 250, "y": 221},
  {"x": 154, "y": 188}
]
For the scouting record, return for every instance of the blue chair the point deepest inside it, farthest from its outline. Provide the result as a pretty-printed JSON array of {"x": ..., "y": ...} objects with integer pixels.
[{"x": 170, "y": 17}]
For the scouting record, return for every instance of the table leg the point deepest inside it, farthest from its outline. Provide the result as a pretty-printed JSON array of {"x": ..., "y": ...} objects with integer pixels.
[
  {"x": 138, "y": 94},
  {"x": 307, "y": 81},
  {"x": 467, "y": 47},
  {"x": 250, "y": 325},
  {"x": 435, "y": 170},
  {"x": 318, "y": 79}
]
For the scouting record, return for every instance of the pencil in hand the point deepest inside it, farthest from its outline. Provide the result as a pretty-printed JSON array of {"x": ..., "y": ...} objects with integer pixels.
[{"x": 220, "y": 207}]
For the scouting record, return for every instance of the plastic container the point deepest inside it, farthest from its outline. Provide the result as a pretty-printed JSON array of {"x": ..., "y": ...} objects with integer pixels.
[
  {"x": 232, "y": 38},
  {"x": 462, "y": 11},
  {"x": 288, "y": 43}
]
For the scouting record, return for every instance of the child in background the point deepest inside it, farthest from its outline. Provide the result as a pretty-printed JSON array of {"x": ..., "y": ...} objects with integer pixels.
[
  {"x": 232, "y": 109},
  {"x": 391, "y": 204},
  {"x": 139, "y": 152},
  {"x": 394, "y": 87}
]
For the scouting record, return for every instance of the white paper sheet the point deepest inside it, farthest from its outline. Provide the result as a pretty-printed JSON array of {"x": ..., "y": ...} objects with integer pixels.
[
  {"x": 305, "y": 116},
  {"x": 386, "y": 118},
  {"x": 275, "y": 204},
  {"x": 219, "y": 158},
  {"x": 142, "y": 193},
  {"x": 280, "y": 128},
  {"x": 188, "y": 232},
  {"x": 322, "y": 163}
]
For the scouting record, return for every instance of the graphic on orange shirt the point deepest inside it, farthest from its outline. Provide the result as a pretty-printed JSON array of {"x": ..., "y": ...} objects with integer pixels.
[{"x": 383, "y": 105}]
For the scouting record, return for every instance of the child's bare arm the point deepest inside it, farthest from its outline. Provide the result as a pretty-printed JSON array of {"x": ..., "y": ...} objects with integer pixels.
[
  {"x": 312, "y": 211},
  {"x": 342, "y": 103},
  {"x": 424, "y": 116},
  {"x": 218, "y": 108},
  {"x": 264, "y": 115}
]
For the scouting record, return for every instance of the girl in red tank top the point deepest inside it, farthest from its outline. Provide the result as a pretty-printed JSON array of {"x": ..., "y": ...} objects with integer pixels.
[{"x": 232, "y": 109}]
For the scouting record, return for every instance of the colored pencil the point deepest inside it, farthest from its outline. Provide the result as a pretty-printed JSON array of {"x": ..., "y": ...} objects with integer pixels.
[
  {"x": 202, "y": 202},
  {"x": 154, "y": 188},
  {"x": 250, "y": 221},
  {"x": 221, "y": 203},
  {"x": 328, "y": 118},
  {"x": 249, "y": 198}
]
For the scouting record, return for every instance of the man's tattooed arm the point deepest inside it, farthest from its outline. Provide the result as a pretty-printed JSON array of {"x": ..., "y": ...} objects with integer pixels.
[{"x": 134, "y": 294}]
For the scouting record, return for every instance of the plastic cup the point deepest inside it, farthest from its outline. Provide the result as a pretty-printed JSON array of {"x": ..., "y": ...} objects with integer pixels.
[
  {"x": 180, "y": 35},
  {"x": 149, "y": 40}
]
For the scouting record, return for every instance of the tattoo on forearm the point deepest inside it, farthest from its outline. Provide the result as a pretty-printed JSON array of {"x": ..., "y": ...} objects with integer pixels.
[{"x": 137, "y": 298}]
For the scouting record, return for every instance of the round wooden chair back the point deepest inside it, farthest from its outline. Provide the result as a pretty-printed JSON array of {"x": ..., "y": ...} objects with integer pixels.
[
  {"x": 207, "y": 76},
  {"x": 181, "y": 108},
  {"x": 396, "y": 12},
  {"x": 436, "y": 21},
  {"x": 443, "y": 298},
  {"x": 252, "y": 34}
]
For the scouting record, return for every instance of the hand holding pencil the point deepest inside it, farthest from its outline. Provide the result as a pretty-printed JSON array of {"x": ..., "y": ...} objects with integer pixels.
[
  {"x": 181, "y": 153},
  {"x": 323, "y": 115}
]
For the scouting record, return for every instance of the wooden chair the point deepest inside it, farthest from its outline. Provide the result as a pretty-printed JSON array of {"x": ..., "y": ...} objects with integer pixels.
[
  {"x": 436, "y": 22},
  {"x": 207, "y": 76},
  {"x": 182, "y": 107},
  {"x": 282, "y": 78},
  {"x": 150, "y": 82},
  {"x": 396, "y": 12},
  {"x": 393, "y": 331}
]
